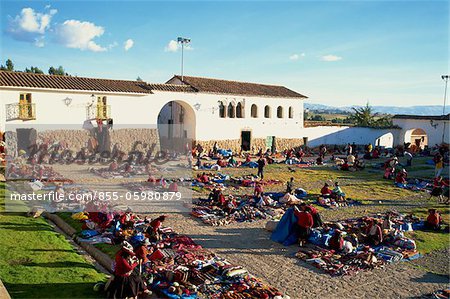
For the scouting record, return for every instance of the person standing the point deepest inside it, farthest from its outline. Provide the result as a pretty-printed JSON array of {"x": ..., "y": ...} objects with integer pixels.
[
  {"x": 304, "y": 224},
  {"x": 261, "y": 164},
  {"x": 439, "y": 165},
  {"x": 409, "y": 158},
  {"x": 290, "y": 186}
]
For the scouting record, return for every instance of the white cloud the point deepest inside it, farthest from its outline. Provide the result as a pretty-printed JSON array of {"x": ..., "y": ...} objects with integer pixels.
[
  {"x": 172, "y": 46},
  {"x": 295, "y": 57},
  {"x": 331, "y": 58},
  {"x": 31, "y": 26},
  {"x": 79, "y": 35},
  {"x": 129, "y": 43},
  {"x": 40, "y": 42}
]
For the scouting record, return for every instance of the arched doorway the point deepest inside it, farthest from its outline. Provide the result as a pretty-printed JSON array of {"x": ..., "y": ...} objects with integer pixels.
[
  {"x": 386, "y": 140},
  {"x": 417, "y": 138},
  {"x": 176, "y": 126}
]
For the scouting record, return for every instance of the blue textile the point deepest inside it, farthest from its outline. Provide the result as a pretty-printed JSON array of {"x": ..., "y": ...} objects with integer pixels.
[
  {"x": 88, "y": 233},
  {"x": 274, "y": 195},
  {"x": 300, "y": 193},
  {"x": 225, "y": 153},
  {"x": 285, "y": 233}
]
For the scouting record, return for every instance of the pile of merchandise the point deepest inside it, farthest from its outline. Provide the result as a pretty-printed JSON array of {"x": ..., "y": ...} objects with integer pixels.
[
  {"x": 417, "y": 185},
  {"x": 244, "y": 208},
  {"x": 359, "y": 254},
  {"x": 177, "y": 267}
]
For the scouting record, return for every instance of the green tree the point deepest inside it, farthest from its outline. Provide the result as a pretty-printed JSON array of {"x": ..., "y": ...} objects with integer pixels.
[
  {"x": 318, "y": 117},
  {"x": 34, "y": 70},
  {"x": 57, "y": 71},
  {"x": 363, "y": 116},
  {"x": 9, "y": 65},
  {"x": 139, "y": 79}
]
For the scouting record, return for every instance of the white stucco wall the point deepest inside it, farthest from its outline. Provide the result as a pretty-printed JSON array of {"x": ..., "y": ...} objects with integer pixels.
[
  {"x": 143, "y": 109},
  {"x": 434, "y": 130},
  {"x": 343, "y": 135}
]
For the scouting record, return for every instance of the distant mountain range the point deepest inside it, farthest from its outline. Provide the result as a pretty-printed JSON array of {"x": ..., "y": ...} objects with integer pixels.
[{"x": 415, "y": 110}]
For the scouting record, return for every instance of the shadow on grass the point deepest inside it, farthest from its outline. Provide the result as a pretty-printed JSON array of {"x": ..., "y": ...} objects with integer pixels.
[
  {"x": 64, "y": 264},
  {"x": 52, "y": 290},
  {"x": 53, "y": 250}
]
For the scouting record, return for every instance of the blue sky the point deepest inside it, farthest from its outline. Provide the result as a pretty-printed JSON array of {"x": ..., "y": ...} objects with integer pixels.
[{"x": 336, "y": 52}]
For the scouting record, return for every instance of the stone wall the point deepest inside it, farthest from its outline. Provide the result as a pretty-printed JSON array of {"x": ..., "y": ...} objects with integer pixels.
[
  {"x": 77, "y": 139},
  {"x": 256, "y": 143}
]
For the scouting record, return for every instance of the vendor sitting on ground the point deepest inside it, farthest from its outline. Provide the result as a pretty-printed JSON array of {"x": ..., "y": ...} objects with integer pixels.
[
  {"x": 375, "y": 153},
  {"x": 153, "y": 230},
  {"x": 326, "y": 192},
  {"x": 374, "y": 232},
  {"x": 259, "y": 190},
  {"x": 389, "y": 173},
  {"x": 304, "y": 223},
  {"x": 434, "y": 220},
  {"x": 232, "y": 162},
  {"x": 337, "y": 193},
  {"x": 336, "y": 241},
  {"x": 203, "y": 178},
  {"x": 400, "y": 178}
]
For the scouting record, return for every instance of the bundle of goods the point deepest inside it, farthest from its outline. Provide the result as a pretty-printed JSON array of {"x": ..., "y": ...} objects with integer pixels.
[{"x": 239, "y": 209}]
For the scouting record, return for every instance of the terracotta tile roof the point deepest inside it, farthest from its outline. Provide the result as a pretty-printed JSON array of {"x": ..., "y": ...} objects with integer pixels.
[
  {"x": 422, "y": 117},
  {"x": 19, "y": 79},
  {"x": 236, "y": 88},
  {"x": 171, "y": 87}
]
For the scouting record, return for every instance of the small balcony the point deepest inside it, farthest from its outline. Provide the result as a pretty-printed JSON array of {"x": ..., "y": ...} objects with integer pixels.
[
  {"x": 18, "y": 111},
  {"x": 101, "y": 112}
]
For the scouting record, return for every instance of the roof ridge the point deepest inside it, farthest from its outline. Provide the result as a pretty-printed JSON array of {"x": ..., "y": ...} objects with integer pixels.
[
  {"x": 67, "y": 76},
  {"x": 235, "y": 81}
]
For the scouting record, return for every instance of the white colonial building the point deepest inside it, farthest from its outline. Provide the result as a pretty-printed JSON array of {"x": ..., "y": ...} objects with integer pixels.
[{"x": 202, "y": 109}]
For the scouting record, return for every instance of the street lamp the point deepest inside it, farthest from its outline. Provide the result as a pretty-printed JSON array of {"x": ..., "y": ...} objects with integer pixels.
[
  {"x": 445, "y": 78},
  {"x": 183, "y": 41}
]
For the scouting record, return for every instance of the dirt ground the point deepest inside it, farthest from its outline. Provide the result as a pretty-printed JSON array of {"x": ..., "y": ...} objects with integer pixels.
[{"x": 248, "y": 244}]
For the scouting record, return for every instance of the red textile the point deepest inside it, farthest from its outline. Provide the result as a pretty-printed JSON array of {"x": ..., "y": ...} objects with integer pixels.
[
  {"x": 434, "y": 219},
  {"x": 325, "y": 191},
  {"x": 304, "y": 219},
  {"x": 123, "y": 267}
]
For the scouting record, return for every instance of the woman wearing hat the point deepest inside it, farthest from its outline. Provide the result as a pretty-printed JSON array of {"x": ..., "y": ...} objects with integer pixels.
[{"x": 126, "y": 283}]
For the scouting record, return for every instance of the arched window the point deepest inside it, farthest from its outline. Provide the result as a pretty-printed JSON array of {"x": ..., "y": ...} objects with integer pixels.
[
  {"x": 291, "y": 112},
  {"x": 254, "y": 111},
  {"x": 239, "y": 111},
  {"x": 267, "y": 112},
  {"x": 280, "y": 112},
  {"x": 231, "y": 112},
  {"x": 222, "y": 112}
]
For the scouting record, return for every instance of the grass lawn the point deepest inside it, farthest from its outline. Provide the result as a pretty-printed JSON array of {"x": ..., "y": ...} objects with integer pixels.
[
  {"x": 37, "y": 262},
  {"x": 361, "y": 185}
]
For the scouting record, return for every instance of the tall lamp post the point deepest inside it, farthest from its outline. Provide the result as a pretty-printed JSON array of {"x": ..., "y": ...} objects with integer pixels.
[
  {"x": 183, "y": 41},
  {"x": 445, "y": 78}
]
